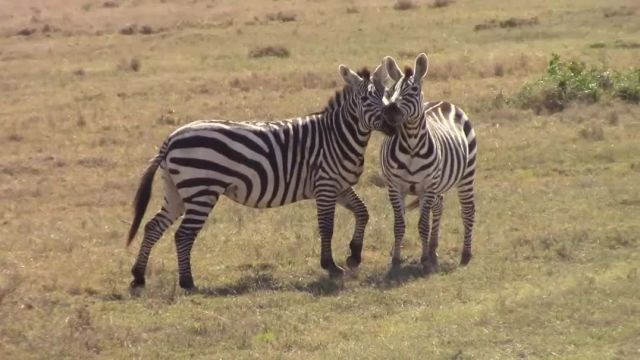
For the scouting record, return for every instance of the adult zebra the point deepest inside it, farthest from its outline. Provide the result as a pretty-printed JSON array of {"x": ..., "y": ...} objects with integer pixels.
[
  {"x": 265, "y": 164},
  {"x": 433, "y": 151}
]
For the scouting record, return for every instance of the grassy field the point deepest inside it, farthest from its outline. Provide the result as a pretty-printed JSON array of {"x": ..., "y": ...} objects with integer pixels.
[{"x": 89, "y": 89}]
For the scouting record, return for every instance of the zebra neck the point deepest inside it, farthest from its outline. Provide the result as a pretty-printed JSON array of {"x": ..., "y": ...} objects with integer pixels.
[{"x": 412, "y": 128}]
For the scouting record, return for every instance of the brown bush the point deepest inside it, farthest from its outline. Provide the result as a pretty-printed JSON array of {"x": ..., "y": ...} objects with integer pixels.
[
  {"x": 129, "y": 29},
  {"x": 404, "y": 5},
  {"x": 26, "y": 32},
  {"x": 272, "y": 50},
  {"x": 441, "y": 3},
  {"x": 110, "y": 4}
]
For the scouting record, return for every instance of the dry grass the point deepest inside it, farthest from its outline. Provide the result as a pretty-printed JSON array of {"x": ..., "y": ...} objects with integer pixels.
[{"x": 555, "y": 272}]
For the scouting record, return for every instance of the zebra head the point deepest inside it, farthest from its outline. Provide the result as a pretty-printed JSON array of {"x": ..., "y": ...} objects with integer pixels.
[
  {"x": 366, "y": 97},
  {"x": 404, "y": 100}
]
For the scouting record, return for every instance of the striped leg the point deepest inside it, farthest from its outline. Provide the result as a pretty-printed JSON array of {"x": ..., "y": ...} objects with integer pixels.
[
  {"x": 196, "y": 213},
  {"x": 326, "y": 207},
  {"x": 434, "y": 237},
  {"x": 397, "y": 202},
  {"x": 427, "y": 200},
  {"x": 153, "y": 230},
  {"x": 350, "y": 200},
  {"x": 468, "y": 212}
]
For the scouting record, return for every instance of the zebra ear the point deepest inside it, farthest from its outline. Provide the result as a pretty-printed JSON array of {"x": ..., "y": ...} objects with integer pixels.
[
  {"x": 349, "y": 76},
  {"x": 379, "y": 75},
  {"x": 422, "y": 65},
  {"x": 392, "y": 68}
]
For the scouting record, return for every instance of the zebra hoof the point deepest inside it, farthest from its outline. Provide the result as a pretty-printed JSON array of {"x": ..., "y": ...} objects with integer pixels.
[
  {"x": 429, "y": 265},
  {"x": 136, "y": 287},
  {"x": 429, "y": 268},
  {"x": 137, "y": 283},
  {"x": 336, "y": 272},
  {"x": 192, "y": 290},
  {"x": 353, "y": 262},
  {"x": 466, "y": 257},
  {"x": 396, "y": 262}
]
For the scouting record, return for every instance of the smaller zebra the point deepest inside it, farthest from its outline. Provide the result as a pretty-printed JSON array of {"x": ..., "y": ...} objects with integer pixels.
[{"x": 433, "y": 151}]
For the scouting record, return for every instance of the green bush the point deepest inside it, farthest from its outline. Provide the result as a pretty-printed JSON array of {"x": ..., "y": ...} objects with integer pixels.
[{"x": 569, "y": 81}]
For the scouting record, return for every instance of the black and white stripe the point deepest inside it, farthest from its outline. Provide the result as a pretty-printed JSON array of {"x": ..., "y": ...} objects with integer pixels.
[
  {"x": 263, "y": 165},
  {"x": 433, "y": 151}
]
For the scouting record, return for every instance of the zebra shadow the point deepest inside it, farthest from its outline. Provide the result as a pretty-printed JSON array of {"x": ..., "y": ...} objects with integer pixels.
[
  {"x": 405, "y": 273},
  {"x": 263, "y": 280}
]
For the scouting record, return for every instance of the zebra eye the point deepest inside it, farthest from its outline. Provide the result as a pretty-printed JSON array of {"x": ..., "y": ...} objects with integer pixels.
[
  {"x": 415, "y": 88},
  {"x": 363, "y": 97}
]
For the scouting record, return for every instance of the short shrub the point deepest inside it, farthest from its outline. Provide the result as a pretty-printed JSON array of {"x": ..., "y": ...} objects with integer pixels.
[{"x": 568, "y": 81}]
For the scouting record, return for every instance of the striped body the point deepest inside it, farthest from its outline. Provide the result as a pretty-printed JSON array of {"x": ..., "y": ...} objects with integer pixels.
[{"x": 263, "y": 165}]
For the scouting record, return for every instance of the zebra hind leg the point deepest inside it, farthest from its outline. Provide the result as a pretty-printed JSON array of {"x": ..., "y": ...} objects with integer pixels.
[
  {"x": 196, "y": 213},
  {"x": 351, "y": 201},
  {"x": 153, "y": 230},
  {"x": 434, "y": 237},
  {"x": 468, "y": 212}
]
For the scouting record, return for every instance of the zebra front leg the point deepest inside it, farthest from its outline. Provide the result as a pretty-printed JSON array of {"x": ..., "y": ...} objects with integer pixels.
[
  {"x": 434, "y": 237},
  {"x": 424, "y": 228},
  {"x": 326, "y": 206},
  {"x": 153, "y": 230},
  {"x": 350, "y": 200},
  {"x": 195, "y": 215},
  {"x": 397, "y": 203}
]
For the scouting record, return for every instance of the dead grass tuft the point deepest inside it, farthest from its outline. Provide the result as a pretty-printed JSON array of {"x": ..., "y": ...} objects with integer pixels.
[
  {"x": 272, "y": 50},
  {"x": 621, "y": 11},
  {"x": 621, "y": 44},
  {"x": 592, "y": 132},
  {"x": 353, "y": 10},
  {"x": 281, "y": 16},
  {"x": 93, "y": 162},
  {"x": 132, "y": 64},
  {"x": 507, "y": 24},
  {"x": 404, "y": 5},
  {"x": 15, "y": 137}
]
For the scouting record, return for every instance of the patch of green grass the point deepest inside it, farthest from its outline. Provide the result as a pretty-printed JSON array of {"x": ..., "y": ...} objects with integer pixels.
[{"x": 571, "y": 81}]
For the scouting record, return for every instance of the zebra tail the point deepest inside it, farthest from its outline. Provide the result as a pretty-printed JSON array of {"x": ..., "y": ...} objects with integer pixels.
[{"x": 143, "y": 195}]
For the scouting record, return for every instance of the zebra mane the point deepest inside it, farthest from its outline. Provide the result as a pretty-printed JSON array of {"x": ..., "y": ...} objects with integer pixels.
[
  {"x": 364, "y": 73},
  {"x": 408, "y": 71},
  {"x": 338, "y": 97}
]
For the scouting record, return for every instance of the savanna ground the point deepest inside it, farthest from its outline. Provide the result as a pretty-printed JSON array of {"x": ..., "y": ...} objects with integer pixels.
[{"x": 86, "y": 98}]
